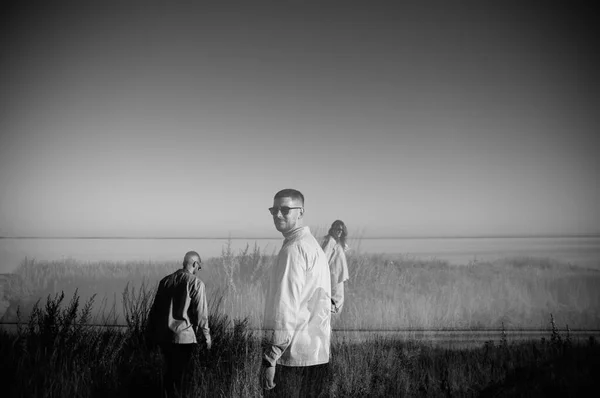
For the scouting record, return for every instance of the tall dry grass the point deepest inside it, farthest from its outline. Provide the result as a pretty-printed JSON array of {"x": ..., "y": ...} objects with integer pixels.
[
  {"x": 54, "y": 354},
  {"x": 384, "y": 291},
  {"x": 404, "y": 292}
]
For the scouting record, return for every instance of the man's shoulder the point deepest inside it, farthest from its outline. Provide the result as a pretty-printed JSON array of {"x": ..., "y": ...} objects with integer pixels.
[
  {"x": 307, "y": 245},
  {"x": 306, "y": 239},
  {"x": 310, "y": 241},
  {"x": 193, "y": 279},
  {"x": 198, "y": 281},
  {"x": 188, "y": 276},
  {"x": 181, "y": 275}
]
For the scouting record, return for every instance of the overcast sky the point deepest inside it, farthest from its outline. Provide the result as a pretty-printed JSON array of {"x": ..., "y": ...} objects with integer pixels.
[{"x": 159, "y": 120}]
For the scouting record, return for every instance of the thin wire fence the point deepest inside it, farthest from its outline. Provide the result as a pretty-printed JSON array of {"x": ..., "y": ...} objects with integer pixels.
[{"x": 364, "y": 330}]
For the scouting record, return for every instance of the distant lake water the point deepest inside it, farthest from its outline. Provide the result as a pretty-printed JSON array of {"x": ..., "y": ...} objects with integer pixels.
[{"x": 582, "y": 251}]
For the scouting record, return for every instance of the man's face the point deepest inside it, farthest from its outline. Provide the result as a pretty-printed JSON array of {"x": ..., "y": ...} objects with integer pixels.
[
  {"x": 287, "y": 222},
  {"x": 197, "y": 265}
]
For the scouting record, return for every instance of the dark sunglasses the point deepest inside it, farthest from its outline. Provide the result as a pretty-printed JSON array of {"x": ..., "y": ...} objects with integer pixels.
[{"x": 284, "y": 210}]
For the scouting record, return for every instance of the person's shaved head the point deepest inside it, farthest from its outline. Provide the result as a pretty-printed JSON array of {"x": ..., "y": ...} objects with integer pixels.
[{"x": 190, "y": 257}]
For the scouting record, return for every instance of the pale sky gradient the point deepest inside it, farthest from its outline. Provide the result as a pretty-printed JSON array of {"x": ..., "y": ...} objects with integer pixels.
[{"x": 401, "y": 121}]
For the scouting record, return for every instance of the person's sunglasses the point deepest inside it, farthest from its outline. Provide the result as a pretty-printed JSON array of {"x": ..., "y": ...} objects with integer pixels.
[{"x": 284, "y": 210}]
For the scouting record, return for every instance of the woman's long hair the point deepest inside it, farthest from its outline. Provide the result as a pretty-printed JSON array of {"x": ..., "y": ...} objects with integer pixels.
[{"x": 343, "y": 236}]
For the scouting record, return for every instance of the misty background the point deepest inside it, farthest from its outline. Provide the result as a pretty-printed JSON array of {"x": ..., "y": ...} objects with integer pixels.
[{"x": 151, "y": 119}]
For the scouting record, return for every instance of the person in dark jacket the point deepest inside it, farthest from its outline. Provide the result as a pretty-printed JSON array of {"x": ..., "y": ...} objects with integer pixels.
[{"x": 178, "y": 313}]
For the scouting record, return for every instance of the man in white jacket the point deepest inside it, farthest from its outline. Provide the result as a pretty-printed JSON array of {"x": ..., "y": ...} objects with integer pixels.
[{"x": 297, "y": 306}]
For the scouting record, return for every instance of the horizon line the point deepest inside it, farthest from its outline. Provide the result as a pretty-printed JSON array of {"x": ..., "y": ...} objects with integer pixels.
[{"x": 483, "y": 236}]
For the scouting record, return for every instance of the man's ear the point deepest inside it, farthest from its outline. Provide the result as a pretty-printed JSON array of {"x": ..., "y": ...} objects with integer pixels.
[{"x": 301, "y": 212}]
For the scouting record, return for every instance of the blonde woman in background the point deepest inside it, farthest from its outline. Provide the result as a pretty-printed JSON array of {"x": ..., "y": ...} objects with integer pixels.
[{"x": 334, "y": 245}]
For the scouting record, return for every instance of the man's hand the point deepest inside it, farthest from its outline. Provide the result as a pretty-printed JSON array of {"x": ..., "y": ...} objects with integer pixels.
[
  {"x": 268, "y": 377},
  {"x": 208, "y": 342}
]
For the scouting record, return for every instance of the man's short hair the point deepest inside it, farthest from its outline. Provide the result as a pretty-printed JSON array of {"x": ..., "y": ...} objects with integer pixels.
[{"x": 290, "y": 193}]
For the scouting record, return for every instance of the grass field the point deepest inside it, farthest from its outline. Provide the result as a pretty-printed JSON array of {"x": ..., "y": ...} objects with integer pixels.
[
  {"x": 53, "y": 354},
  {"x": 384, "y": 292}
]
